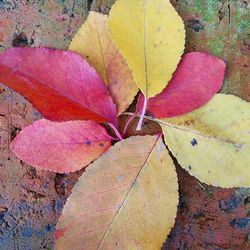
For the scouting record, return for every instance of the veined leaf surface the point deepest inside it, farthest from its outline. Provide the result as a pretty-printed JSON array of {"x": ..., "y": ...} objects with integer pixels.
[
  {"x": 198, "y": 78},
  {"x": 150, "y": 35},
  {"x": 213, "y": 142},
  {"x": 93, "y": 42},
  {"x": 127, "y": 199},
  {"x": 61, "y": 147},
  {"x": 60, "y": 84}
]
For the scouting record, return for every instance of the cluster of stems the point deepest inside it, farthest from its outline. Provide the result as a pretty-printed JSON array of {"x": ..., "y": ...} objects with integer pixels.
[{"x": 120, "y": 136}]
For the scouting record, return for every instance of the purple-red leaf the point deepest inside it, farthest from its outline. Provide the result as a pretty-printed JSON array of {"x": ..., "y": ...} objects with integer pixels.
[
  {"x": 61, "y": 146},
  {"x": 198, "y": 78},
  {"x": 60, "y": 84}
]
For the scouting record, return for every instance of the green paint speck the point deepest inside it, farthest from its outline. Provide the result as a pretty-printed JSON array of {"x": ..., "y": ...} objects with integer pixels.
[
  {"x": 216, "y": 46},
  {"x": 243, "y": 24}
]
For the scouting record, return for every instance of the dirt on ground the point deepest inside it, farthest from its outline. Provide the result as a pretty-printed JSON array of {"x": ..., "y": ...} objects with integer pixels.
[{"x": 31, "y": 201}]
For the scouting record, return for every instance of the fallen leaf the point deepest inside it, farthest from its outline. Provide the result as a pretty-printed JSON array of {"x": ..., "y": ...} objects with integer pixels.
[
  {"x": 127, "y": 199},
  {"x": 93, "y": 42},
  {"x": 213, "y": 142},
  {"x": 225, "y": 116},
  {"x": 150, "y": 35},
  {"x": 61, "y": 147},
  {"x": 198, "y": 77},
  {"x": 60, "y": 84}
]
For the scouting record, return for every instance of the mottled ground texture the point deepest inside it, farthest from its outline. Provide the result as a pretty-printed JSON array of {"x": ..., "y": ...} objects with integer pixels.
[{"x": 31, "y": 201}]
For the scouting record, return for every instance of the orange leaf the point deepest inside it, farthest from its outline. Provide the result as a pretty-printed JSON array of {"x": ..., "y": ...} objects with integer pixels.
[
  {"x": 94, "y": 43},
  {"x": 127, "y": 199}
]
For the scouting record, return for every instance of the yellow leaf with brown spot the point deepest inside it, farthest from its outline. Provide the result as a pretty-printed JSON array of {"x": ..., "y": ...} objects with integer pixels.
[
  {"x": 127, "y": 199},
  {"x": 93, "y": 42},
  {"x": 213, "y": 143},
  {"x": 150, "y": 35}
]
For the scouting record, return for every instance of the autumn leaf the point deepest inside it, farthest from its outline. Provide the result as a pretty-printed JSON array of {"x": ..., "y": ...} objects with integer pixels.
[
  {"x": 61, "y": 147},
  {"x": 151, "y": 36},
  {"x": 213, "y": 142},
  {"x": 94, "y": 43},
  {"x": 199, "y": 76},
  {"x": 60, "y": 84},
  {"x": 127, "y": 199}
]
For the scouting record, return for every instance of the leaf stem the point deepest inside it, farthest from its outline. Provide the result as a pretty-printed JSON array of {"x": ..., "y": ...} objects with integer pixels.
[
  {"x": 136, "y": 115},
  {"x": 114, "y": 138},
  {"x": 128, "y": 122},
  {"x": 119, "y": 136},
  {"x": 170, "y": 124},
  {"x": 148, "y": 118},
  {"x": 139, "y": 125}
]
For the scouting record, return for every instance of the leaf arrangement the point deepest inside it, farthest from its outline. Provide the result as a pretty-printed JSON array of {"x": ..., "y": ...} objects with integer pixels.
[{"x": 127, "y": 198}]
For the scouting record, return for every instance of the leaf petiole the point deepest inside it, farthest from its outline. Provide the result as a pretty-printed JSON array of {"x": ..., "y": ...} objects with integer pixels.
[
  {"x": 139, "y": 125},
  {"x": 117, "y": 133},
  {"x": 145, "y": 116},
  {"x": 114, "y": 138},
  {"x": 128, "y": 122}
]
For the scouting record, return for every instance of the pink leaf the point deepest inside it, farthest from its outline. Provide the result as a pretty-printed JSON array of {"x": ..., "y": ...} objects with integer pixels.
[
  {"x": 198, "y": 78},
  {"x": 60, "y": 84},
  {"x": 61, "y": 146}
]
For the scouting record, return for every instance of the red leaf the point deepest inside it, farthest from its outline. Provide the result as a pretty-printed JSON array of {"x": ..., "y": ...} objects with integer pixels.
[
  {"x": 61, "y": 146},
  {"x": 60, "y": 84},
  {"x": 198, "y": 78}
]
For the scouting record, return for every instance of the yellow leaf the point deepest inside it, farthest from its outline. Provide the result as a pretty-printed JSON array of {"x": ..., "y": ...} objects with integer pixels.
[
  {"x": 150, "y": 35},
  {"x": 93, "y": 42},
  {"x": 225, "y": 116},
  {"x": 213, "y": 142},
  {"x": 127, "y": 199}
]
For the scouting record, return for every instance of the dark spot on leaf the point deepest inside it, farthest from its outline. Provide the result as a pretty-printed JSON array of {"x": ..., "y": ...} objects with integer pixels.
[{"x": 194, "y": 142}]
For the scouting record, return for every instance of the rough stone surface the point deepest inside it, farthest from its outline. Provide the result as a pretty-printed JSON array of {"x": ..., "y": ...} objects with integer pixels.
[{"x": 31, "y": 201}]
